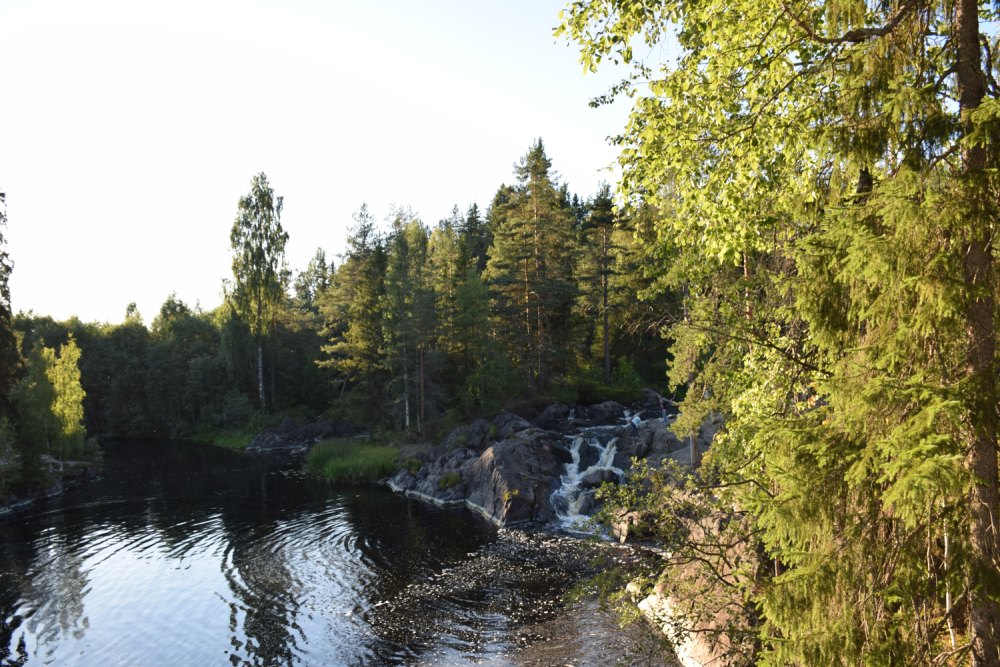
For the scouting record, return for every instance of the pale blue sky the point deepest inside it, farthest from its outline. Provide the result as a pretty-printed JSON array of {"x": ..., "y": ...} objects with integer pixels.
[{"x": 131, "y": 129}]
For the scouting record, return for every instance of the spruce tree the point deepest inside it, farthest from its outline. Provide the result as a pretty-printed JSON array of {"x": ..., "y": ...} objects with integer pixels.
[
  {"x": 829, "y": 173},
  {"x": 353, "y": 322}
]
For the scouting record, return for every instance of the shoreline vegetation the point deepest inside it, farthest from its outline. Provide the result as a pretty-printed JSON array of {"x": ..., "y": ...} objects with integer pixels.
[
  {"x": 801, "y": 251},
  {"x": 352, "y": 460}
]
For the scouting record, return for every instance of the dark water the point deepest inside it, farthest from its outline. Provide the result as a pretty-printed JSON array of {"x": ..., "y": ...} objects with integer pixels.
[{"x": 190, "y": 555}]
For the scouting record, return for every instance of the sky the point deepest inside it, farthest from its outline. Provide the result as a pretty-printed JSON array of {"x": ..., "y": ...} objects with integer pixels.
[{"x": 130, "y": 130}]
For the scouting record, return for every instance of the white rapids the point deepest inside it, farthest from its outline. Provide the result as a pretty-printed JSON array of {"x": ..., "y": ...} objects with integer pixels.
[{"x": 593, "y": 453}]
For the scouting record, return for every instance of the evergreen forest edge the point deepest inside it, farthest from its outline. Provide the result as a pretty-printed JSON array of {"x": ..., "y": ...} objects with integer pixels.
[
  {"x": 413, "y": 330},
  {"x": 810, "y": 200}
]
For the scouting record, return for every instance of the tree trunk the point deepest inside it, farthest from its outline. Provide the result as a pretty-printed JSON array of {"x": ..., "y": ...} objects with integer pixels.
[
  {"x": 978, "y": 270},
  {"x": 260, "y": 374},
  {"x": 272, "y": 371},
  {"x": 604, "y": 299},
  {"x": 421, "y": 414}
]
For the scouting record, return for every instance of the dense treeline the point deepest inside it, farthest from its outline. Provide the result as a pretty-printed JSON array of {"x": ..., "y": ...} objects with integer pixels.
[
  {"x": 415, "y": 327},
  {"x": 41, "y": 400},
  {"x": 826, "y": 178}
]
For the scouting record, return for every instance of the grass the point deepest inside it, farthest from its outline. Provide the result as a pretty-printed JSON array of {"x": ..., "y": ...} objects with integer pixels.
[
  {"x": 351, "y": 460},
  {"x": 449, "y": 479},
  {"x": 236, "y": 439}
]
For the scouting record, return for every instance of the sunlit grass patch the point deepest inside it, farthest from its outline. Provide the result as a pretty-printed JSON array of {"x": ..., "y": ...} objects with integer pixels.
[{"x": 353, "y": 460}]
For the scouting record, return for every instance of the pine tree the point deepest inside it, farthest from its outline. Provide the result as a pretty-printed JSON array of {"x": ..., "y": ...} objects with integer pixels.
[
  {"x": 530, "y": 267},
  {"x": 476, "y": 237},
  {"x": 313, "y": 281},
  {"x": 410, "y": 322},
  {"x": 597, "y": 268}
]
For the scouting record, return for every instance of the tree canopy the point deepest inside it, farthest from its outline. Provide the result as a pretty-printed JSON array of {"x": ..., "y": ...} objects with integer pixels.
[
  {"x": 260, "y": 278},
  {"x": 826, "y": 177}
]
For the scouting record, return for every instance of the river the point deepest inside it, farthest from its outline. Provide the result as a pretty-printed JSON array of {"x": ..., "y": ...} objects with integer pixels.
[{"x": 184, "y": 554}]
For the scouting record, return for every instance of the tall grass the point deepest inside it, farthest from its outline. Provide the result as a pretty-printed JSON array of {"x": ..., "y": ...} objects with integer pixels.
[{"x": 352, "y": 460}]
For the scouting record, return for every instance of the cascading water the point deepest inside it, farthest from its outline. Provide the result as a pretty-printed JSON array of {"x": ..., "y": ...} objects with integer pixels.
[{"x": 593, "y": 454}]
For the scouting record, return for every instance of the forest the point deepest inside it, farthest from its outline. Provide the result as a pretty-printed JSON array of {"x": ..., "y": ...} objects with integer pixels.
[
  {"x": 412, "y": 330},
  {"x": 801, "y": 244}
]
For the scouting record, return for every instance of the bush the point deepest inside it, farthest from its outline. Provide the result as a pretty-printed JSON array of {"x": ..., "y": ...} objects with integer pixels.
[
  {"x": 449, "y": 479},
  {"x": 351, "y": 460}
]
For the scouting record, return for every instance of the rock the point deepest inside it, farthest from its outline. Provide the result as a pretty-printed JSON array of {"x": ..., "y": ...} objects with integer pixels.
[
  {"x": 649, "y": 404},
  {"x": 510, "y": 481},
  {"x": 514, "y": 479},
  {"x": 589, "y": 455},
  {"x": 473, "y": 436},
  {"x": 294, "y": 437},
  {"x": 606, "y": 413},
  {"x": 594, "y": 479},
  {"x": 507, "y": 423},
  {"x": 554, "y": 417},
  {"x": 652, "y": 440}
]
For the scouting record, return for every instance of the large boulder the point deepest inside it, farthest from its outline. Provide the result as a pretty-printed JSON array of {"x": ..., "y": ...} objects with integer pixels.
[
  {"x": 596, "y": 478},
  {"x": 510, "y": 481},
  {"x": 507, "y": 424},
  {"x": 513, "y": 480},
  {"x": 554, "y": 418},
  {"x": 473, "y": 436},
  {"x": 652, "y": 440},
  {"x": 605, "y": 414}
]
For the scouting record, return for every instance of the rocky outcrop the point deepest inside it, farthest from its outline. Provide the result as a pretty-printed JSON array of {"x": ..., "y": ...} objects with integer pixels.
[
  {"x": 294, "y": 437},
  {"x": 509, "y": 478},
  {"x": 509, "y": 468},
  {"x": 472, "y": 436}
]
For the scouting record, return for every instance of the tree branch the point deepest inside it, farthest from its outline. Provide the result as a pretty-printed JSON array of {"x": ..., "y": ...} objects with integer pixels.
[{"x": 857, "y": 35}]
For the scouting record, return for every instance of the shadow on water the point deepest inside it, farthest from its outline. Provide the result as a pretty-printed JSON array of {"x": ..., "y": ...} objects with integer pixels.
[{"x": 186, "y": 554}]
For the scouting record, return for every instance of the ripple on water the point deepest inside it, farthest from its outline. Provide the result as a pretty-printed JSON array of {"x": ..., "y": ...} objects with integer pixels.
[{"x": 259, "y": 568}]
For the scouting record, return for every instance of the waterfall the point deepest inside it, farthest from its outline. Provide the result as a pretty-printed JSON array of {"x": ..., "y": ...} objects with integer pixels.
[{"x": 593, "y": 454}]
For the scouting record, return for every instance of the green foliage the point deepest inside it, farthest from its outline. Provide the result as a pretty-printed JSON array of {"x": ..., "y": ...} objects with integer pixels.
[
  {"x": 259, "y": 273},
  {"x": 826, "y": 195},
  {"x": 530, "y": 268},
  {"x": 627, "y": 382},
  {"x": 449, "y": 479},
  {"x": 63, "y": 373},
  {"x": 49, "y": 403},
  {"x": 10, "y": 361},
  {"x": 352, "y": 310},
  {"x": 351, "y": 460}
]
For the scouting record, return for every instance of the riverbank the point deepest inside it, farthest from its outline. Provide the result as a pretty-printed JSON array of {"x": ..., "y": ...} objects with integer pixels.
[{"x": 60, "y": 473}]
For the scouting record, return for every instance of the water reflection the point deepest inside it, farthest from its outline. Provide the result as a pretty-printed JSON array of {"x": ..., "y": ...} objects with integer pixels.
[
  {"x": 191, "y": 555},
  {"x": 185, "y": 554}
]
